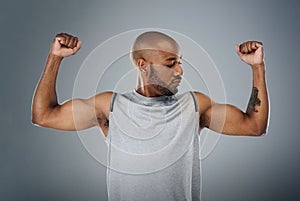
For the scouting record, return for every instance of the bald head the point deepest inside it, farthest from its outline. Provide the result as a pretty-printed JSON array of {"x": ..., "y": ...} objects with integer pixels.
[{"x": 152, "y": 41}]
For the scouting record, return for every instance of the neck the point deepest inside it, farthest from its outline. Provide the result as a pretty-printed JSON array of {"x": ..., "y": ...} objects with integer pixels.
[
  {"x": 151, "y": 90},
  {"x": 148, "y": 91}
]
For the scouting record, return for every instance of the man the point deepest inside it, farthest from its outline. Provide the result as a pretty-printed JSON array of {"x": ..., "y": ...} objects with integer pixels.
[{"x": 152, "y": 133}]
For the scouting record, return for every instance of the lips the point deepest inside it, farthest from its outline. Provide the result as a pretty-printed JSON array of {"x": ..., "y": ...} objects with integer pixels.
[{"x": 176, "y": 81}]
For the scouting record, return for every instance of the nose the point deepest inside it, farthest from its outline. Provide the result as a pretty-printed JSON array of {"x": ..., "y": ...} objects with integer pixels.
[{"x": 178, "y": 69}]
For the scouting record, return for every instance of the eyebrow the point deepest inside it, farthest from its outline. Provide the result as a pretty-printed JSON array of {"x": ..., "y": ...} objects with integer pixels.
[{"x": 173, "y": 58}]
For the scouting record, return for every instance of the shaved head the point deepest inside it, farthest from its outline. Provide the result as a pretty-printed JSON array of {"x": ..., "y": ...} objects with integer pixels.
[
  {"x": 157, "y": 56},
  {"x": 151, "y": 41}
]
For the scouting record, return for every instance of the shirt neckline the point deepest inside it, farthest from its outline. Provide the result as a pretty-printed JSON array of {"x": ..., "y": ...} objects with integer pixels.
[{"x": 153, "y": 99}]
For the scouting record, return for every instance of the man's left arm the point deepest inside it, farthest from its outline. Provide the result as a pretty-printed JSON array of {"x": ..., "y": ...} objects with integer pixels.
[{"x": 228, "y": 119}]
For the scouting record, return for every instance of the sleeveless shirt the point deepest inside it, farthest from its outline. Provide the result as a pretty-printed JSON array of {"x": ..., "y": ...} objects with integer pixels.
[{"x": 153, "y": 148}]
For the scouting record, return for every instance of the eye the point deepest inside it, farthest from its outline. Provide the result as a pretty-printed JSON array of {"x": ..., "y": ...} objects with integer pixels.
[{"x": 173, "y": 64}]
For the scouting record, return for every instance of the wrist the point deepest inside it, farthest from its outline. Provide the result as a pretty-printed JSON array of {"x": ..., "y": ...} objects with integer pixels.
[
  {"x": 53, "y": 62},
  {"x": 55, "y": 57},
  {"x": 258, "y": 66},
  {"x": 259, "y": 71}
]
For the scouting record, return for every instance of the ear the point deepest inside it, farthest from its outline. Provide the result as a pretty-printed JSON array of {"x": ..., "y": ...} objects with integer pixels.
[{"x": 142, "y": 64}]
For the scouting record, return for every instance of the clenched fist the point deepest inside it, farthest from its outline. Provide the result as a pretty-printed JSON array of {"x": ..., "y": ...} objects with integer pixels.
[
  {"x": 65, "y": 45},
  {"x": 251, "y": 52}
]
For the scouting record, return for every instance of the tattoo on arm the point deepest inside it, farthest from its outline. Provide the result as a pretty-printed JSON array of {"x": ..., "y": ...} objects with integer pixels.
[{"x": 254, "y": 100}]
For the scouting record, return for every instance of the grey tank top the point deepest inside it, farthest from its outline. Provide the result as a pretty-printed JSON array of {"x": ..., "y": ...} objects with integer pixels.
[{"x": 153, "y": 150}]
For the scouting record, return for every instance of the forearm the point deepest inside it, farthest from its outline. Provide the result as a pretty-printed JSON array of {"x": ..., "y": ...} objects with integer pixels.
[
  {"x": 258, "y": 106},
  {"x": 45, "y": 97},
  {"x": 229, "y": 119}
]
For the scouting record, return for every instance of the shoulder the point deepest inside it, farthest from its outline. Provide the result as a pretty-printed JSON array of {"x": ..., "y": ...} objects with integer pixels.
[
  {"x": 106, "y": 96},
  {"x": 101, "y": 102},
  {"x": 204, "y": 102}
]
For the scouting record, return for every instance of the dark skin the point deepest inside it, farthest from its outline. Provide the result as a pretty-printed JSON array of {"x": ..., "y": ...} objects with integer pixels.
[
  {"x": 254, "y": 101},
  {"x": 163, "y": 69}
]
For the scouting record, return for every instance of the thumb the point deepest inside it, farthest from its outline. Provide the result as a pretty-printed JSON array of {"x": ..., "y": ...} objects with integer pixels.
[
  {"x": 57, "y": 43},
  {"x": 237, "y": 48},
  {"x": 59, "y": 39}
]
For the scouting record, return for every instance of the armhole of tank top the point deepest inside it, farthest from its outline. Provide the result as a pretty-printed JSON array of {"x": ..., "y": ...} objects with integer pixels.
[
  {"x": 112, "y": 102},
  {"x": 195, "y": 101}
]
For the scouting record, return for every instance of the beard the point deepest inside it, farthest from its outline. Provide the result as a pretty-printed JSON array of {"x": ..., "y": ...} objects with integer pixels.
[{"x": 159, "y": 85}]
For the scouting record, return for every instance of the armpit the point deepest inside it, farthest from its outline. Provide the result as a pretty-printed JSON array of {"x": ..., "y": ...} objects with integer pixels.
[{"x": 104, "y": 125}]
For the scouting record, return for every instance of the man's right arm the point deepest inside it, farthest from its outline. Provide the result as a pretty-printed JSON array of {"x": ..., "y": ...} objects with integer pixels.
[{"x": 74, "y": 114}]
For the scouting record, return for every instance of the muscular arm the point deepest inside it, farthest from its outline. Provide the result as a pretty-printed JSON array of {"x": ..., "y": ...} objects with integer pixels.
[
  {"x": 228, "y": 119},
  {"x": 74, "y": 114}
]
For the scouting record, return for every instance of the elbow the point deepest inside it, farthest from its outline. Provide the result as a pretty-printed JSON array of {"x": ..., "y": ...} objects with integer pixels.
[
  {"x": 256, "y": 128},
  {"x": 38, "y": 119},
  {"x": 36, "y": 115},
  {"x": 43, "y": 117},
  {"x": 259, "y": 131}
]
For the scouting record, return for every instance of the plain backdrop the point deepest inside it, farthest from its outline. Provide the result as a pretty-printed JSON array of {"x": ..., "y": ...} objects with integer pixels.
[{"x": 43, "y": 164}]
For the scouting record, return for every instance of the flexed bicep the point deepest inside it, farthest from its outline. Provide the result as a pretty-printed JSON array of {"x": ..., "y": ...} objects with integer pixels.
[
  {"x": 229, "y": 119},
  {"x": 225, "y": 118},
  {"x": 76, "y": 114}
]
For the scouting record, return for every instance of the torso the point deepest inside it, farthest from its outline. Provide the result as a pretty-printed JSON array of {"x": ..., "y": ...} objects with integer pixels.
[
  {"x": 164, "y": 132},
  {"x": 103, "y": 120}
]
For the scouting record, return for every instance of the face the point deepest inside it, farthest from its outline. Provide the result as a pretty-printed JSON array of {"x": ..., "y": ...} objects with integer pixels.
[{"x": 165, "y": 72}]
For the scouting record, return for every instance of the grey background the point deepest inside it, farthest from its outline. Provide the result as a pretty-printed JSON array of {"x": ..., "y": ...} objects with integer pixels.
[{"x": 44, "y": 164}]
